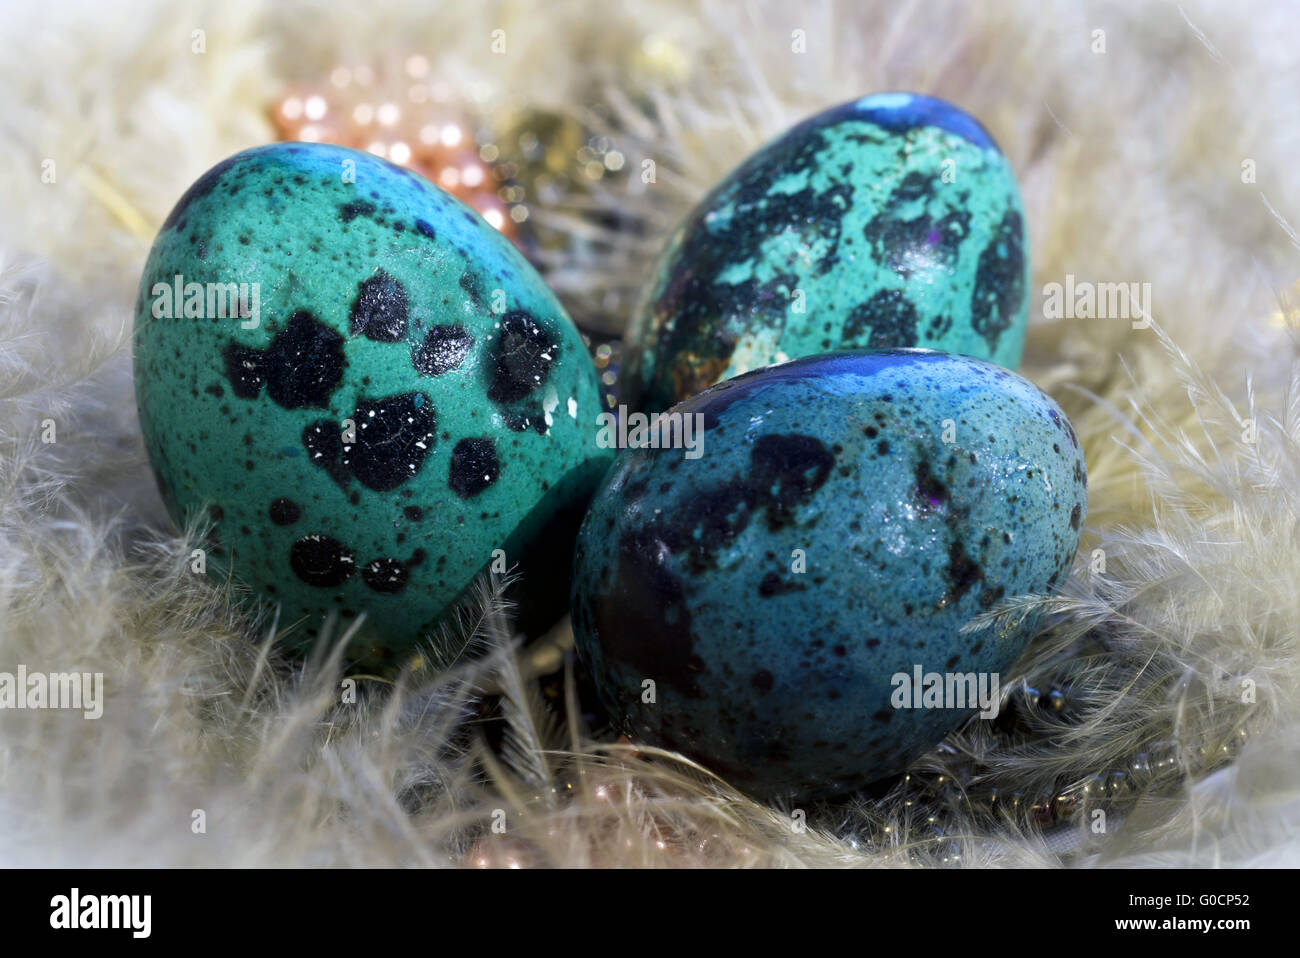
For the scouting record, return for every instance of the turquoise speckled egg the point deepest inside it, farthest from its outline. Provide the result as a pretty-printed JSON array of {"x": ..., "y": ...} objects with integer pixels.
[
  {"x": 367, "y": 388},
  {"x": 891, "y": 221},
  {"x": 842, "y": 518}
]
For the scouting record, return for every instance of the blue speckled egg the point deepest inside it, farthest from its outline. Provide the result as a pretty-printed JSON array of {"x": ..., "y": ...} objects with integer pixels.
[
  {"x": 891, "y": 221},
  {"x": 843, "y": 517},
  {"x": 369, "y": 392}
]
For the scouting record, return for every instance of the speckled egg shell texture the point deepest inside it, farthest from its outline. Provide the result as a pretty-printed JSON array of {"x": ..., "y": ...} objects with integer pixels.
[
  {"x": 847, "y": 515},
  {"x": 407, "y": 397},
  {"x": 891, "y": 221}
]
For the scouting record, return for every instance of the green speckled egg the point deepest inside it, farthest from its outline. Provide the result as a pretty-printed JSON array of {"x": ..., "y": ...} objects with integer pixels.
[
  {"x": 399, "y": 396},
  {"x": 840, "y": 520},
  {"x": 891, "y": 221}
]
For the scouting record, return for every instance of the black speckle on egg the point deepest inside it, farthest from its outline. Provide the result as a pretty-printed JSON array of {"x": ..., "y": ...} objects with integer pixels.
[
  {"x": 284, "y": 512},
  {"x": 472, "y": 284},
  {"x": 324, "y": 448},
  {"x": 351, "y": 210},
  {"x": 385, "y": 575},
  {"x": 999, "y": 281},
  {"x": 962, "y": 573},
  {"x": 474, "y": 467},
  {"x": 787, "y": 470},
  {"x": 887, "y": 318},
  {"x": 931, "y": 493},
  {"x": 304, "y": 362},
  {"x": 529, "y": 416},
  {"x": 444, "y": 349},
  {"x": 650, "y": 627},
  {"x": 393, "y": 435},
  {"x": 523, "y": 356},
  {"x": 320, "y": 561},
  {"x": 244, "y": 370},
  {"x": 772, "y": 584},
  {"x": 920, "y": 242},
  {"x": 380, "y": 310}
]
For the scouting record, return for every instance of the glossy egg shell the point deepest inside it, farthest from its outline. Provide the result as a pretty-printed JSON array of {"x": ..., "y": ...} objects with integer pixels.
[
  {"x": 847, "y": 515},
  {"x": 891, "y": 221},
  {"x": 407, "y": 397}
]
